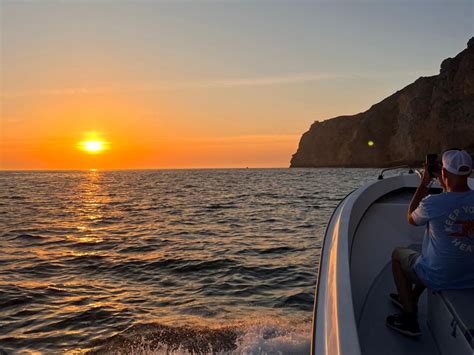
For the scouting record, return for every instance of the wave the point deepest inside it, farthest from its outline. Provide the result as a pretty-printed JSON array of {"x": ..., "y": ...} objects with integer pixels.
[
  {"x": 267, "y": 337},
  {"x": 219, "y": 206},
  {"x": 14, "y": 302},
  {"x": 279, "y": 338},
  {"x": 301, "y": 300},
  {"x": 28, "y": 237},
  {"x": 158, "y": 338},
  {"x": 194, "y": 266},
  {"x": 277, "y": 250}
]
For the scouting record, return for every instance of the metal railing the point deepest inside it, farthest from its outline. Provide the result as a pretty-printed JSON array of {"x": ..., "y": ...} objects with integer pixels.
[{"x": 410, "y": 170}]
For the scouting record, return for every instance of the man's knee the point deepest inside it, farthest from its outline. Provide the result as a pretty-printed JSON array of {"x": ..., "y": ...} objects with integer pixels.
[{"x": 396, "y": 253}]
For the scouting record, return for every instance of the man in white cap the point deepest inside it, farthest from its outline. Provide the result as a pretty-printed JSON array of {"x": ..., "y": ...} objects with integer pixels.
[{"x": 447, "y": 257}]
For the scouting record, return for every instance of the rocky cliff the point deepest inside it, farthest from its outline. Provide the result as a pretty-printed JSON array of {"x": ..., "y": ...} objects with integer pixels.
[{"x": 428, "y": 116}]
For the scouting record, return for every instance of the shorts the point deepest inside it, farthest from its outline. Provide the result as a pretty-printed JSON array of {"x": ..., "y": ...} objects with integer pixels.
[{"x": 408, "y": 259}]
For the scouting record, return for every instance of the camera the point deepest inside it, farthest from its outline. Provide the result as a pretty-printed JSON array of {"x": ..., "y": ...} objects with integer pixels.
[{"x": 433, "y": 165}]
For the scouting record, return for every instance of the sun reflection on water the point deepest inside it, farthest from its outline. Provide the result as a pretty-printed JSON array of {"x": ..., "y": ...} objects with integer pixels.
[{"x": 91, "y": 202}]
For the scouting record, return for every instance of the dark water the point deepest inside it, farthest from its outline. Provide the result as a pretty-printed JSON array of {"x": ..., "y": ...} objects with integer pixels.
[{"x": 156, "y": 261}]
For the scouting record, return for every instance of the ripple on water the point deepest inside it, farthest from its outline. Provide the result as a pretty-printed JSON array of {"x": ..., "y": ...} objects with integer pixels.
[{"x": 137, "y": 261}]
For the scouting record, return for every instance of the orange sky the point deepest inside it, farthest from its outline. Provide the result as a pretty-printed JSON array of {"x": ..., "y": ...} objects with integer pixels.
[
  {"x": 136, "y": 138},
  {"x": 202, "y": 83}
]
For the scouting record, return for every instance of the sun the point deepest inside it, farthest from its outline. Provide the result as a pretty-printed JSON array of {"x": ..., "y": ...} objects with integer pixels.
[{"x": 93, "y": 145}]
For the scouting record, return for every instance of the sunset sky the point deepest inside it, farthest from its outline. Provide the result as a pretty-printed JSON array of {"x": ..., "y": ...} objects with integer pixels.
[{"x": 187, "y": 84}]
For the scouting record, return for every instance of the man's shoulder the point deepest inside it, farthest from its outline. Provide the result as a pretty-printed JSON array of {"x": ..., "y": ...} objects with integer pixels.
[
  {"x": 430, "y": 199},
  {"x": 436, "y": 201},
  {"x": 446, "y": 198},
  {"x": 452, "y": 196}
]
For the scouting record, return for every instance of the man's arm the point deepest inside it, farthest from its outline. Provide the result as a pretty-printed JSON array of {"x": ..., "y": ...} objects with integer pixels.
[{"x": 420, "y": 193}]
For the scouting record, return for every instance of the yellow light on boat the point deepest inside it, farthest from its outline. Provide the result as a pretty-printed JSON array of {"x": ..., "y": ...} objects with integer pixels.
[{"x": 371, "y": 143}]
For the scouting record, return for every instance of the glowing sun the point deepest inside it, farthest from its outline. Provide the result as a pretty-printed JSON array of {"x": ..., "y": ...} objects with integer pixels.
[{"x": 92, "y": 146}]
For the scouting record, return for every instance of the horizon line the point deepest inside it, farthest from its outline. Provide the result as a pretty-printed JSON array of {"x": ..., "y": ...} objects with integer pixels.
[{"x": 133, "y": 169}]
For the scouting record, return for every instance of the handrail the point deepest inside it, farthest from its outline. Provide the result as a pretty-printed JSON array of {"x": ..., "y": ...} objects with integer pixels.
[{"x": 410, "y": 170}]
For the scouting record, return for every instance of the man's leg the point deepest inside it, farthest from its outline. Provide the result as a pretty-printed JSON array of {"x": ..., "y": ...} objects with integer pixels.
[
  {"x": 403, "y": 283},
  {"x": 417, "y": 291},
  {"x": 402, "y": 266}
]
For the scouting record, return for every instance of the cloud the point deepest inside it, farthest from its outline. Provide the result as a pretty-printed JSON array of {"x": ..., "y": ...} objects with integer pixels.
[{"x": 205, "y": 84}]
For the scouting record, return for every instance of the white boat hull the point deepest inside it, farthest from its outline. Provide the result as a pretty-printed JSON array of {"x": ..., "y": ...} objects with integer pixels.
[{"x": 354, "y": 281}]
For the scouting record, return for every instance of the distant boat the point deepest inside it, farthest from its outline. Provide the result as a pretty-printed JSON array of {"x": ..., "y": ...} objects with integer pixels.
[{"x": 355, "y": 279}]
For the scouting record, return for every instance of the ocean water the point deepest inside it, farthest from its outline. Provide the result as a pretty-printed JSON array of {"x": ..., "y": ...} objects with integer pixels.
[{"x": 177, "y": 261}]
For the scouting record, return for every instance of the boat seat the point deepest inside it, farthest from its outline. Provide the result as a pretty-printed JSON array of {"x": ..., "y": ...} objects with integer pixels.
[{"x": 451, "y": 319}]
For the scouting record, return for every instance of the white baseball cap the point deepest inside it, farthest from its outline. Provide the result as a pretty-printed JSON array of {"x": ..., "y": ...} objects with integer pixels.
[{"x": 457, "y": 162}]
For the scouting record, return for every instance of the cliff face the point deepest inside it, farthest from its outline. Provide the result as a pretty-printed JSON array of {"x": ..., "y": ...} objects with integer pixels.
[{"x": 428, "y": 116}]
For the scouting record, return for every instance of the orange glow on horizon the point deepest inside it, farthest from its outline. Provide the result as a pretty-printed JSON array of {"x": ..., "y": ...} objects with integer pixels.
[{"x": 145, "y": 131}]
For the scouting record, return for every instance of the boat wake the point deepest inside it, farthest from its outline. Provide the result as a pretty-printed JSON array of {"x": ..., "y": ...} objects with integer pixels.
[{"x": 257, "y": 338}]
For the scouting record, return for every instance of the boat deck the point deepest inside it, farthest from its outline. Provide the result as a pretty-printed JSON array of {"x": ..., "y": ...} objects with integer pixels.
[
  {"x": 375, "y": 337},
  {"x": 355, "y": 279}
]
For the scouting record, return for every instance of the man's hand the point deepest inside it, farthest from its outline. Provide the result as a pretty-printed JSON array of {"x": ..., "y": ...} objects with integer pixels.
[
  {"x": 426, "y": 178},
  {"x": 420, "y": 193}
]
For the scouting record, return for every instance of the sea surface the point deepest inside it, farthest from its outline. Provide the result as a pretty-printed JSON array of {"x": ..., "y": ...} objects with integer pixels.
[{"x": 157, "y": 261}]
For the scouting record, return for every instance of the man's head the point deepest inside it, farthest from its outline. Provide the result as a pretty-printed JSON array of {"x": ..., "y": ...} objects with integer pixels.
[{"x": 457, "y": 166}]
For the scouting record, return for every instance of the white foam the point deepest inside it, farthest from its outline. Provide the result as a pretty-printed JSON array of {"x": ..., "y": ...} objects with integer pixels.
[
  {"x": 277, "y": 338},
  {"x": 267, "y": 336}
]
